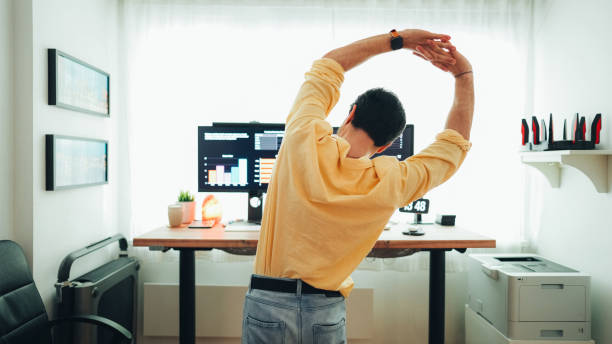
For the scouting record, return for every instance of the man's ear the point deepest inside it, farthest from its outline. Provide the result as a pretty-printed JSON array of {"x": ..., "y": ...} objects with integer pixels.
[
  {"x": 351, "y": 115},
  {"x": 382, "y": 148}
]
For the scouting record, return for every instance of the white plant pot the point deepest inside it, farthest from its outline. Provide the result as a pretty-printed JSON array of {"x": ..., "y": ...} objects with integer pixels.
[{"x": 188, "y": 211}]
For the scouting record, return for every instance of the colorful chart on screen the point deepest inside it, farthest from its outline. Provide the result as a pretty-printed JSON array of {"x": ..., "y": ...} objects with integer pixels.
[{"x": 237, "y": 158}]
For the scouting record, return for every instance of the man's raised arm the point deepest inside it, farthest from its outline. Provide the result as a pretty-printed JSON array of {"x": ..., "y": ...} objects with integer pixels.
[
  {"x": 441, "y": 159},
  {"x": 461, "y": 113},
  {"x": 352, "y": 55}
]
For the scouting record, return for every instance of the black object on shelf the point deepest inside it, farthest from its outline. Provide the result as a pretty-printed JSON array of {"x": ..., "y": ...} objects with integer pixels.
[
  {"x": 524, "y": 132},
  {"x": 576, "y": 131},
  {"x": 543, "y": 139},
  {"x": 596, "y": 129},
  {"x": 535, "y": 128},
  {"x": 550, "y": 130}
]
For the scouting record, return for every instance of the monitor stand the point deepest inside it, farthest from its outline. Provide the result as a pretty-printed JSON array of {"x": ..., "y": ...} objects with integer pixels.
[
  {"x": 255, "y": 205},
  {"x": 419, "y": 221}
]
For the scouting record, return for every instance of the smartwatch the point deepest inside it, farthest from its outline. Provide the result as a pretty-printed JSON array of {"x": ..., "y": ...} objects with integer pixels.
[{"x": 397, "y": 42}]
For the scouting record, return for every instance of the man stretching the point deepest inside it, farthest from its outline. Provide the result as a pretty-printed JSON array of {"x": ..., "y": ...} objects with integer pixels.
[{"x": 328, "y": 202}]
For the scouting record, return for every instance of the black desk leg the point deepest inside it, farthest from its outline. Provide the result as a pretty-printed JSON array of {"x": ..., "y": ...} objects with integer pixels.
[
  {"x": 436, "y": 296},
  {"x": 187, "y": 296}
]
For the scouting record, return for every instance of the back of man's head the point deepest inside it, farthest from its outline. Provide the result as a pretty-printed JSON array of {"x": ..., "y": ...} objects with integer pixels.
[{"x": 380, "y": 114}]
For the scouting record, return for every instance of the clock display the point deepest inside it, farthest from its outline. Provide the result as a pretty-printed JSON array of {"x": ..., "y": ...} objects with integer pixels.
[{"x": 420, "y": 206}]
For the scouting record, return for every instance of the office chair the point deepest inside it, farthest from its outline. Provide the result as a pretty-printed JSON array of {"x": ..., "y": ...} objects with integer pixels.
[{"x": 23, "y": 318}]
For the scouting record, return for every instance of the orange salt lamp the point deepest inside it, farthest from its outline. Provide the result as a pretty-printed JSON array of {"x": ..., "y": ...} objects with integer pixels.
[{"x": 211, "y": 211}]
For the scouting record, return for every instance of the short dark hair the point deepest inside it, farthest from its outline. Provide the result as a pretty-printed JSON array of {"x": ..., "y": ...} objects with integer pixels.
[{"x": 380, "y": 114}]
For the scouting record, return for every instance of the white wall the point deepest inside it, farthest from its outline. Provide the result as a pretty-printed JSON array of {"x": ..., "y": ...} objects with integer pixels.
[
  {"x": 23, "y": 125},
  {"x": 572, "y": 74},
  {"x": 63, "y": 221},
  {"x": 6, "y": 120}
]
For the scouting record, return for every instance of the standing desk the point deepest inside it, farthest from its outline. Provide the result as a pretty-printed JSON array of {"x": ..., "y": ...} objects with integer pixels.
[{"x": 437, "y": 240}]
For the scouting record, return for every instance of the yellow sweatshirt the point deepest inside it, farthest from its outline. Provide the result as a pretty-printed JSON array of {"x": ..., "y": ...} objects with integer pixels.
[{"x": 324, "y": 211}]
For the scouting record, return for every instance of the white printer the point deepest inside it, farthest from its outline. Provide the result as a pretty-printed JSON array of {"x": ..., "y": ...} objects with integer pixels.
[{"x": 529, "y": 297}]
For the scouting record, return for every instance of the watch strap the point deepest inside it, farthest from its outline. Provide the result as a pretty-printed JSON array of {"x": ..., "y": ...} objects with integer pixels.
[{"x": 397, "y": 42}]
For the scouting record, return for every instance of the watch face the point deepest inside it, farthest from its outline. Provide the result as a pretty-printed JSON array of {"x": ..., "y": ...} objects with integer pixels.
[{"x": 397, "y": 42}]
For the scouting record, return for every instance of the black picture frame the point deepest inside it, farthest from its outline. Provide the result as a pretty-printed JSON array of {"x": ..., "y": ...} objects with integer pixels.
[
  {"x": 62, "y": 171},
  {"x": 77, "y": 85}
]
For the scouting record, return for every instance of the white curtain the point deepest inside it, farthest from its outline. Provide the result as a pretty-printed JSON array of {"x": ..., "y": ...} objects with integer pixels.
[{"x": 189, "y": 63}]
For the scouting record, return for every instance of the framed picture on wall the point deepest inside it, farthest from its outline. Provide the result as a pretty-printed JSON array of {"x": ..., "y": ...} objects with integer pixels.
[
  {"x": 75, "y": 162},
  {"x": 76, "y": 85}
]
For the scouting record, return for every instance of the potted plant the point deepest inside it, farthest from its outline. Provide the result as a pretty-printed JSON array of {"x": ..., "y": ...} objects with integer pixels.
[{"x": 186, "y": 199}]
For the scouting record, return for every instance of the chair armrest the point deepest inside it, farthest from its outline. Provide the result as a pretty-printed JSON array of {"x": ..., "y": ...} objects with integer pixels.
[{"x": 96, "y": 320}]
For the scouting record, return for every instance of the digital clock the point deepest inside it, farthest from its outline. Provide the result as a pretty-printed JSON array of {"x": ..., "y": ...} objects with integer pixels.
[{"x": 420, "y": 206}]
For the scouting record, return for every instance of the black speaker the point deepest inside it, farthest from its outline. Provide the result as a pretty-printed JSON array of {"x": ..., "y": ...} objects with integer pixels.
[{"x": 445, "y": 220}]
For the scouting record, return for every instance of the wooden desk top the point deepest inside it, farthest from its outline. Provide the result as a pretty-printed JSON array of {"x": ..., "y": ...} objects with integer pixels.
[{"x": 435, "y": 237}]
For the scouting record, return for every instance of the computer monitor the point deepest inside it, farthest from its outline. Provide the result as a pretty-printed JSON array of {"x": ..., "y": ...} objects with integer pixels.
[{"x": 239, "y": 157}]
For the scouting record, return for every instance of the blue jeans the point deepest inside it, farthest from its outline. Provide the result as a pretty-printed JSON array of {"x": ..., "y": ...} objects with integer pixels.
[{"x": 293, "y": 318}]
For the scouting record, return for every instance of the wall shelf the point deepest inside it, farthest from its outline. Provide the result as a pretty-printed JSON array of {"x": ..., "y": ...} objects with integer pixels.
[{"x": 592, "y": 163}]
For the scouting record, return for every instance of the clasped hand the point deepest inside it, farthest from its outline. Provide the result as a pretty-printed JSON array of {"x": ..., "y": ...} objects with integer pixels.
[{"x": 437, "y": 49}]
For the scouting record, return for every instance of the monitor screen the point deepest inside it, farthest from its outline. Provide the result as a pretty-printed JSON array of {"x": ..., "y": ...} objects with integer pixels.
[
  {"x": 238, "y": 157},
  {"x": 266, "y": 143}
]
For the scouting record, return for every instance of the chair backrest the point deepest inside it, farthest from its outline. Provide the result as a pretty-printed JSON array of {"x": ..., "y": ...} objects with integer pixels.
[{"x": 23, "y": 318}]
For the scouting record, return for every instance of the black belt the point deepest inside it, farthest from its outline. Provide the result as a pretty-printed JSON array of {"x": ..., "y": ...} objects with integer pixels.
[{"x": 288, "y": 286}]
